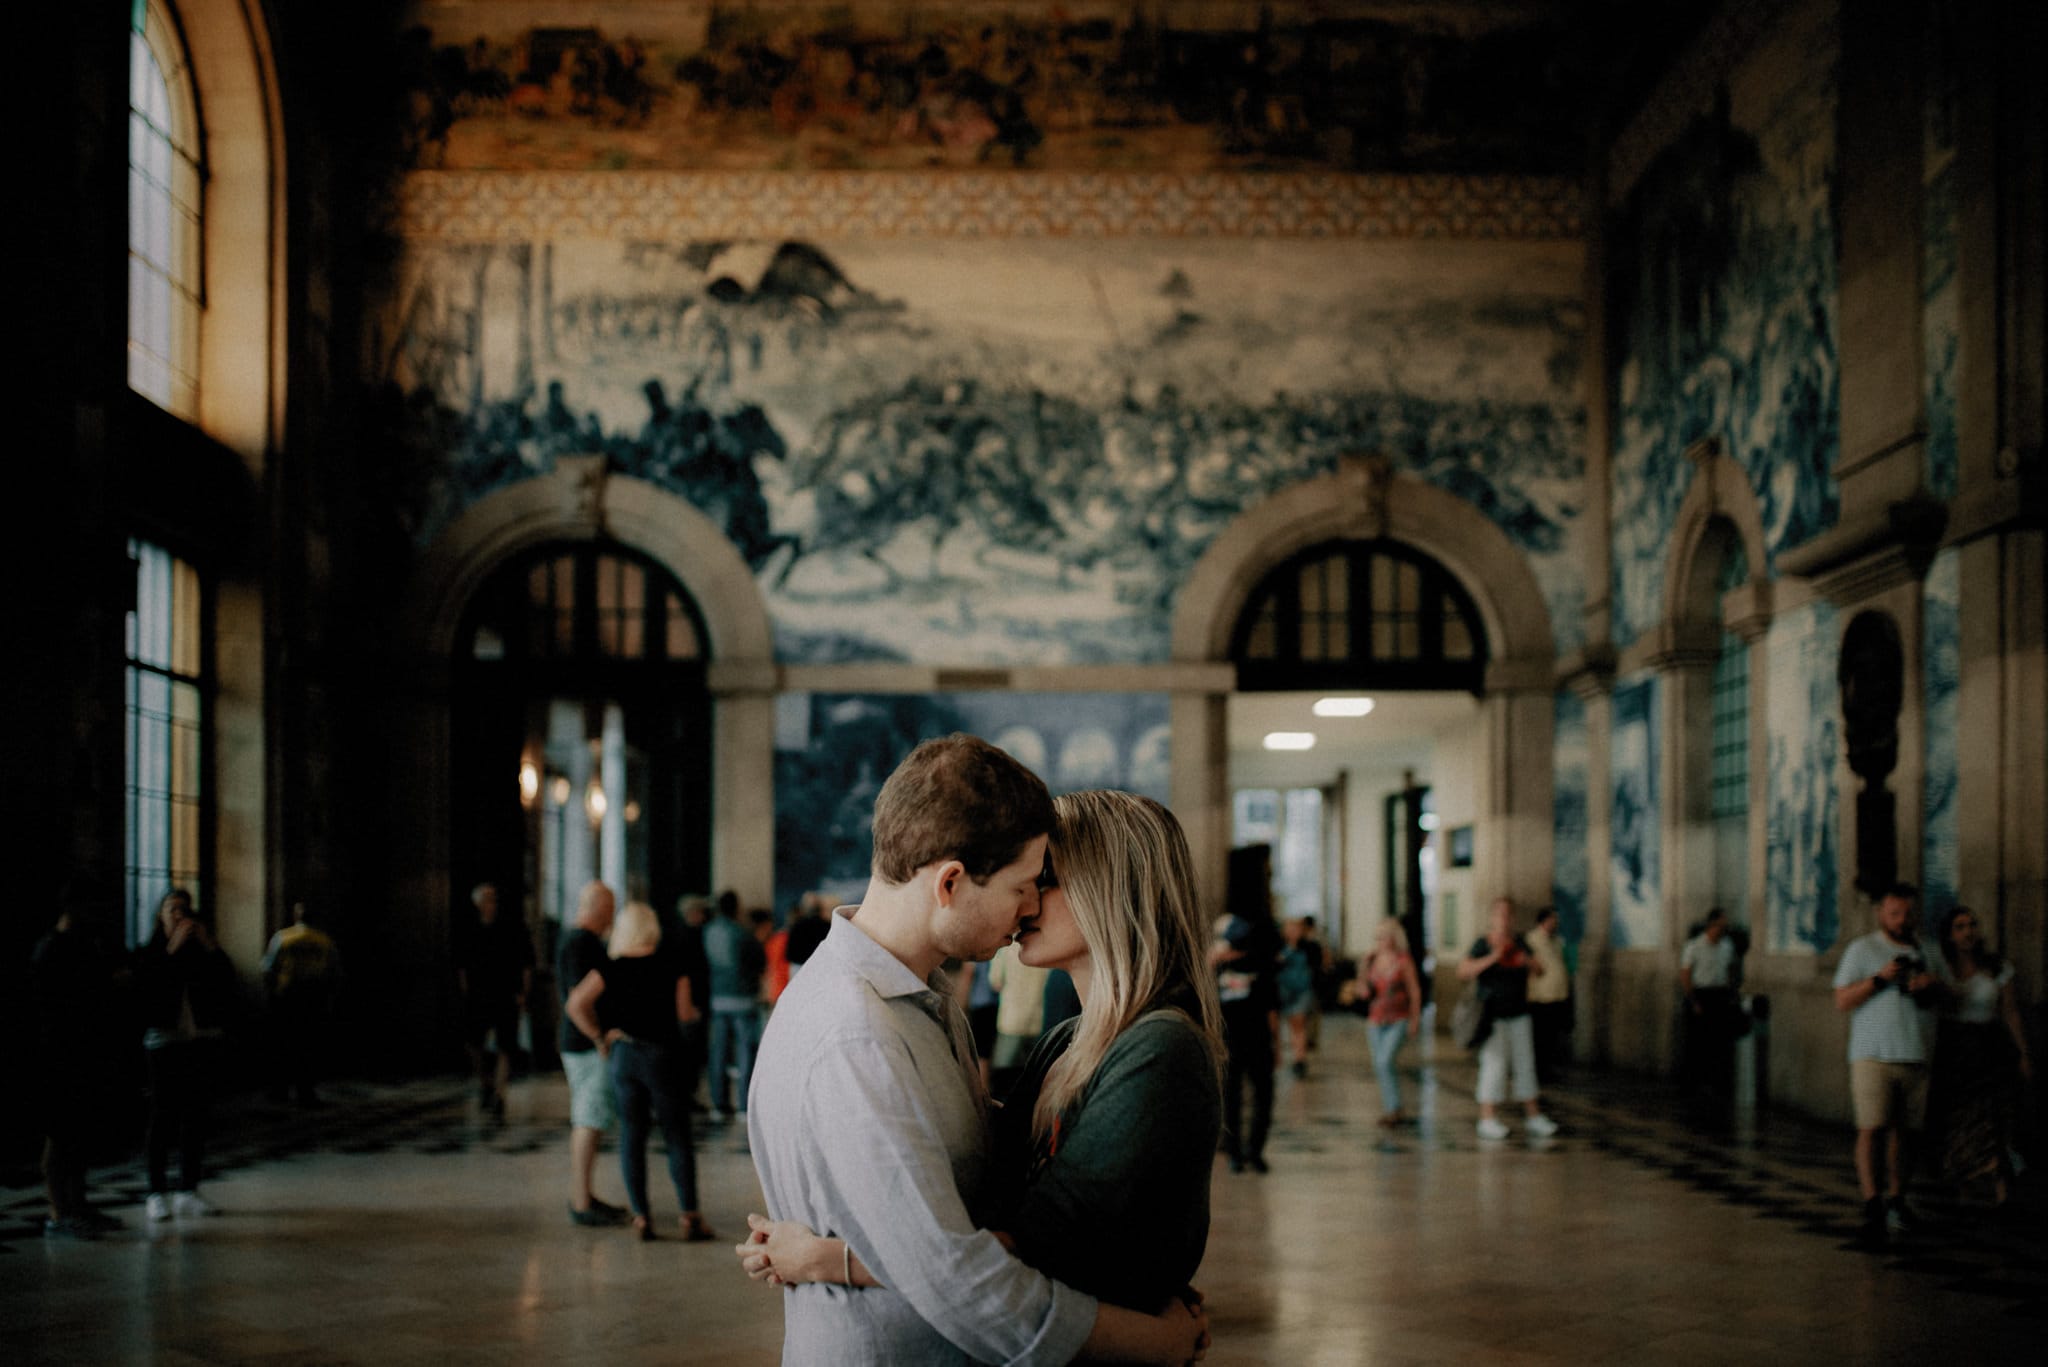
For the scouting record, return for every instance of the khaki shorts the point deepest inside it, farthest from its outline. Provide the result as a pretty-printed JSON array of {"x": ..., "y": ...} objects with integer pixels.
[{"x": 1888, "y": 1094}]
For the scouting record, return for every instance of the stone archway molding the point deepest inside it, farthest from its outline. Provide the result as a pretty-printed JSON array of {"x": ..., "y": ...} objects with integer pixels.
[
  {"x": 1366, "y": 498},
  {"x": 577, "y": 500},
  {"x": 1720, "y": 489}
]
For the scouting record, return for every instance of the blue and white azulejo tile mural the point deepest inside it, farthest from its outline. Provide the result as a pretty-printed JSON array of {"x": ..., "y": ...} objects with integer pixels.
[
  {"x": 1723, "y": 298},
  {"x": 1570, "y": 767},
  {"x": 1802, "y": 887},
  {"x": 1000, "y": 452},
  {"x": 1940, "y": 327},
  {"x": 833, "y": 751},
  {"x": 1941, "y": 684},
  {"x": 1636, "y": 832}
]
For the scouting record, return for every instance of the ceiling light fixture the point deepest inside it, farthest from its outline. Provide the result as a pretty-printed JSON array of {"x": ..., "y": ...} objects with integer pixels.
[
  {"x": 1290, "y": 740},
  {"x": 1342, "y": 707}
]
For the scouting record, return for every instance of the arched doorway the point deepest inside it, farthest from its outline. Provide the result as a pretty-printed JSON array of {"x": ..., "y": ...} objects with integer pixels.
[
  {"x": 578, "y": 501},
  {"x": 1455, "y": 555},
  {"x": 581, "y": 748},
  {"x": 1339, "y": 625}
]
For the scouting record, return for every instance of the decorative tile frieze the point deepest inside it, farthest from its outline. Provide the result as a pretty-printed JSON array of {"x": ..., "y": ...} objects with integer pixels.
[{"x": 460, "y": 206}]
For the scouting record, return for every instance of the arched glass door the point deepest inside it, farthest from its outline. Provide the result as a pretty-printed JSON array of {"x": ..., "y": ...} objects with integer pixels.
[{"x": 581, "y": 733}]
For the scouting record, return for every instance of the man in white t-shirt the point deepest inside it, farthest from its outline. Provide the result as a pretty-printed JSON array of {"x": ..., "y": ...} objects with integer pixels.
[
  {"x": 1892, "y": 986},
  {"x": 1713, "y": 1015}
]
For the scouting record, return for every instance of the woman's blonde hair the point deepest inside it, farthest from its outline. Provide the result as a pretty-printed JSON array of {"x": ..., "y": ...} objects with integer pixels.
[
  {"x": 1391, "y": 925},
  {"x": 635, "y": 926},
  {"x": 1123, "y": 863}
]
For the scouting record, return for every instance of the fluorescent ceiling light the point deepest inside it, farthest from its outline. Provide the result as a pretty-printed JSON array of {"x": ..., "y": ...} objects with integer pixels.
[
  {"x": 1343, "y": 707},
  {"x": 1290, "y": 740}
]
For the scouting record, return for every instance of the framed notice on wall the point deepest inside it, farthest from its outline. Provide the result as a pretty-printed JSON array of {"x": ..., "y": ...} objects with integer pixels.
[{"x": 1461, "y": 847}]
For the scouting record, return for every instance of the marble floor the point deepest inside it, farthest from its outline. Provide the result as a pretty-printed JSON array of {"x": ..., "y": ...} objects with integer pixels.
[{"x": 394, "y": 1226}]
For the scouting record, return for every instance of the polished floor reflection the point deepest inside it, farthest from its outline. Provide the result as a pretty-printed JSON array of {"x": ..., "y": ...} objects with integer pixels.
[{"x": 393, "y": 1226}]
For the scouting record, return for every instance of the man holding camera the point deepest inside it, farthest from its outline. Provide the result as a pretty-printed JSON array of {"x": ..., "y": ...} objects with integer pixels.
[{"x": 1891, "y": 987}]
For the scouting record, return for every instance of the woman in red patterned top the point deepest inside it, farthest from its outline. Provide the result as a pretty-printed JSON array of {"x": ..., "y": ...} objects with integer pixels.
[{"x": 1387, "y": 978}]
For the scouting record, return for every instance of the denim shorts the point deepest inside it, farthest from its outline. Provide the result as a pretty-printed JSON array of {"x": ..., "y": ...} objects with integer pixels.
[{"x": 590, "y": 1091}]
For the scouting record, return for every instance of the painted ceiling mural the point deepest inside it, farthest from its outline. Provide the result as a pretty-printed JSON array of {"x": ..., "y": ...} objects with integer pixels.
[
  {"x": 1084, "y": 85},
  {"x": 985, "y": 450}
]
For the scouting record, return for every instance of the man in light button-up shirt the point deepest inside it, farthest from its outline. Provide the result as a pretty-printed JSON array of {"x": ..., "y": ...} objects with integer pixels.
[{"x": 867, "y": 1119}]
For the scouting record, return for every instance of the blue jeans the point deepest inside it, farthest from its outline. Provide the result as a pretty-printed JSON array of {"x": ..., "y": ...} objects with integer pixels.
[
  {"x": 647, "y": 1080},
  {"x": 733, "y": 1036},
  {"x": 1386, "y": 1047}
]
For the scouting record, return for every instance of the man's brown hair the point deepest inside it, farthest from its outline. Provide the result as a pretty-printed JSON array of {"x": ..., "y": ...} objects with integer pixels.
[{"x": 957, "y": 797}]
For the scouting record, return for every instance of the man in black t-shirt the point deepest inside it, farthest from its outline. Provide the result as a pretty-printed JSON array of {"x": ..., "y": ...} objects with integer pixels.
[
  {"x": 494, "y": 969},
  {"x": 591, "y": 1113},
  {"x": 1246, "y": 956}
]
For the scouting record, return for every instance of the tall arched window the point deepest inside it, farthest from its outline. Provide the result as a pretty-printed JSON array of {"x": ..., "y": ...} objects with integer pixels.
[
  {"x": 166, "y": 176},
  {"x": 168, "y": 704},
  {"x": 1731, "y": 749}
]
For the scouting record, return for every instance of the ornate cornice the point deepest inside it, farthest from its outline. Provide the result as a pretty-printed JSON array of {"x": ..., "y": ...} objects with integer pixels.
[
  {"x": 1686, "y": 92},
  {"x": 504, "y": 206}
]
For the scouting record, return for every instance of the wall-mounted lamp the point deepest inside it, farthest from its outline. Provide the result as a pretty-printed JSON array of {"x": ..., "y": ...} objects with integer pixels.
[
  {"x": 558, "y": 791},
  {"x": 632, "y": 811},
  {"x": 595, "y": 802},
  {"x": 529, "y": 783}
]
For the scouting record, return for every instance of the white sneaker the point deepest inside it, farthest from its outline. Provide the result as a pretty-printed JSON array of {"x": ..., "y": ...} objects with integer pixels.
[
  {"x": 1540, "y": 1125},
  {"x": 1489, "y": 1128},
  {"x": 192, "y": 1203},
  {"x": 159, "y": 1206}
]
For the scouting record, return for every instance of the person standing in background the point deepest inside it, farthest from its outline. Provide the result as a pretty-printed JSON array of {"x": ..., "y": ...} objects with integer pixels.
[
  {"x": 494, "y": 970},
  {"x": 189, "y": 998},
  {"x": 1301, "y": 967},
  {"x": 1981, "y": 1062},
  {"x": 775, "y": 944},
  {"x": 302, "y": 973},
  {"x": 1245, "y": 957},
  {"x": 1387, "y": 979},
  {"x": 592, "y": 1109},
  {"x": 737, "y": 961},
  {"x": 1706, "y": 974},
  {"x": 1550, "y": 998},
  {"x": 807, "y": 929},
  {"x": 1891, "y": 988},
  {"x": 1500, "y": 966},
  {"x": 630, "y": 1006},
  {"x": 71, "y": 1003}
]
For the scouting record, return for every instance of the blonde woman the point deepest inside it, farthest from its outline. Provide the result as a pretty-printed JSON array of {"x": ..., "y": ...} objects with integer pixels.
[
  {"x": 631, "y": 1005},
  {"x": 1387, "y": 978},
  {"x": 1112, "y": 1126}
]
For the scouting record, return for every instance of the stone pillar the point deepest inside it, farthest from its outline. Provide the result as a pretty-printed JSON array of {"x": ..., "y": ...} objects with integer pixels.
[
  {"x": 2001, "y": 504},
  {"x": 1515, "y": 846},
  {"x": 1200, "y": 787},
  {"x": 743, "y": 781}
]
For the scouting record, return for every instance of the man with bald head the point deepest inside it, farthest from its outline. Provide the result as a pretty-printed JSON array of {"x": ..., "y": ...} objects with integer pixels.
[{"x": 590, "y": 1090}]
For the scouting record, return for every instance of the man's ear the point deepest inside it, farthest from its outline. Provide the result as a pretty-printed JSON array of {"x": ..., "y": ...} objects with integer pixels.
[{"x": 946, "y": 881}]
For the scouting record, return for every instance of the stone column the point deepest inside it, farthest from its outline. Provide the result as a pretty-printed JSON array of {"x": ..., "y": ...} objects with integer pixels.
[
  {"x": 1515, "y": 847},
  {"x": 1200, "y": 786},
  {"x": 743, "y": 780}
]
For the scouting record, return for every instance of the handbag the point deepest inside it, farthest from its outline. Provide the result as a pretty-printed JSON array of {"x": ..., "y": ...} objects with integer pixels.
[{"x": 1471, "y": 1021}]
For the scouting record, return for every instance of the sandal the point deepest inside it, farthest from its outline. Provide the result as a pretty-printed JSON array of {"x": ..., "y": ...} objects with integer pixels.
[
  {"x": 644, "y": 1227},
  {"x": 695, "y": 1230}
]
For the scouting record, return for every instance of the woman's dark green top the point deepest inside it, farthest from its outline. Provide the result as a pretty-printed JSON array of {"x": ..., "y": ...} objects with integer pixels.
[{"x": 1118, "y": 1206}]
